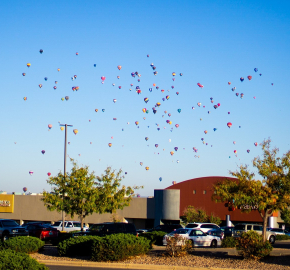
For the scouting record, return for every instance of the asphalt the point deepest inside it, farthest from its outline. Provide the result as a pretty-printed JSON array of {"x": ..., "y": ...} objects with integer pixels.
[{"x": 281, "y": 248}]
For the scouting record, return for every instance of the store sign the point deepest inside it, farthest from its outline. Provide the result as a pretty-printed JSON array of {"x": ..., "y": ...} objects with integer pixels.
[
  {"x": 247, "y": 206},
  {"x": 6, "y": 203}
]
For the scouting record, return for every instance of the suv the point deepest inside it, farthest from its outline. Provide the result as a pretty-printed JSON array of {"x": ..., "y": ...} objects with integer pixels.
[
  {"x": 69, "y": 226},
  {"x": 241, "y": 228},
  {"x": 203, "y": 226},
  {"x": 102, "y": 229},
  {"x": 10, "y": 228},
  {"x": 278, "y": 231}
]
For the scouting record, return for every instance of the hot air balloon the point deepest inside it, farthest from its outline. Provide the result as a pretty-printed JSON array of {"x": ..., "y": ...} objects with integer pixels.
[
  {"x": 114, "y": 100},
  {"x": 138, "y": 91},
  {"x": 176, "y": 125},
  {"x": 241, "y": 79},
  {"x": 96, "y": 110},
  {"x": 179, "y": 110},
  {"x": 205, "y": 132},
  {"x": 31, "y": 172},
  {"x": 141, "y": 163},
  {"x": 54, "y": 87},
  {"x": 248, "y": 151},
  {"x": 249, "y": 77},
  {"x": 158, "y": 104},
  {"x": 25, "y": 98},
  {"x": 50, "y": 126},
  {"x": 156, "y": 145},
  {"x": 235, "y": 151},
  {"x": 234, "y": 142},
  {"x": 43, "y": 151},
  {"x": 241, "y": 95},
  {"x": 175, "y": 148},
  {"x": 160, "y": 179},
  {"x": 146, "y": 138},
  {"x": 198, "y": 104},
  {"x": 229, "y": 124},
  {"x": 155, "y": 73},
  {"x": 214, "y": 129},
  {"x": 75, "y": 131},
  {"x": 58, "y": 69},
  {"x": 103, "y": 78},
  {"x": 171, "y": 153},
  {"x": 49, "y": 174},
  {"x": 120, "y": 87},
  {"x": 146, "y": 99},
  {"x": 25, "y": 189},
  {"x": 41, "y": 51},
  {"x": 23, "y": 74},
  {"x": 61, "y": 128},
  {"x": 62, "y": 99},
  {"x": 237, "y": 94},
  {"x": 256, "y": 144},
  {"x": 255, "y": 69},
  {"x": 177, "y": 93},
  {"x": 28, "y": 64},
  {"x": 146, "y": 168},
  {"x": 66, "y": 98},
  {"x": 40, "y": 85},
  {"x": 114, "y": 118},
  {"x": 45, "y": 78},
  {"x": 229, "y": 83},
  {"x": 173, "y": 73},
  {"x": 95, "y": 65},
  {"x": 119, "y": 67},
  {"x": 136, "y": 123},
  {"x": 110, "y": 144}
]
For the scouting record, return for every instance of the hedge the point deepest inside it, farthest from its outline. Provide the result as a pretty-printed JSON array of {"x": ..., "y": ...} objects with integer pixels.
[
  {"x": 26, "y": 244},
  {"x": 155, "y": 237}
]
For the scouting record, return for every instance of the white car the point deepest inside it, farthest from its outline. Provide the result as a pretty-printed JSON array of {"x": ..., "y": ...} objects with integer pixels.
[
  {"x": 69, "y": 226},
  {"x": 196, "y": 236}
]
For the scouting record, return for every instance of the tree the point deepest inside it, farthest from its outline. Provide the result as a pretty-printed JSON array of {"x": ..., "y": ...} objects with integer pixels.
[
  {"x": 82, "y": 193},
  {"x": 191, "y": 214},
  {"x": 266, "y": 196}
]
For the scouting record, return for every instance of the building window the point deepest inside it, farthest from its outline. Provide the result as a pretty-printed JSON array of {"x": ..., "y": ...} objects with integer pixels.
[
  {"x": 204, "y": 192},
  {"x": 194, "y": 191}
]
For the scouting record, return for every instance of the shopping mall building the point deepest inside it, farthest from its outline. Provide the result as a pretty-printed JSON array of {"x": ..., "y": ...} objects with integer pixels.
[{"x": 166, "y": 206}]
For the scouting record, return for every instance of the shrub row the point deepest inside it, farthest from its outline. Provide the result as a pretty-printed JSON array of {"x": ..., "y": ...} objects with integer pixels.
[
  {"x": 23, "y": 244},
  {"x": 282, "y": 237},
  {"x": 229, "y": 242},
  {"x": 12, "y": 260},
  {"x": 155, "y": 237},
  {"x": 113, "y": 247}
]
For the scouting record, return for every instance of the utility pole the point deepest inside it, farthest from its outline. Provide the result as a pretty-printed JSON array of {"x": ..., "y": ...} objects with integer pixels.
[{"x": 65, "y": 143}]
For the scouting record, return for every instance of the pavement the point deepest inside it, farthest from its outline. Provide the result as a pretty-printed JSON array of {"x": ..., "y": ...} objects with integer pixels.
[{"x": 281, "y": 248}]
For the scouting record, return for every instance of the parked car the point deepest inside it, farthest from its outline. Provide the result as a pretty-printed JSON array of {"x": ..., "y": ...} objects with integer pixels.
[
  {"x": 139, "y": 231},
  {"x": 69, "y": 226},
  {"x": 203, "y": 226},
  {"x": 166, "y": 228},
  {"x": 10, "y": 228},
  {"x": 41, "y": 230},
  {"x": 184, "y": 232},
  {"x": 228, "y": 231},
  {"x": 102, "y": 229},
  {"x": 244, "y": 227},
  {"x": 279, "y": 231},
  {"x": 216, "y": 232}
]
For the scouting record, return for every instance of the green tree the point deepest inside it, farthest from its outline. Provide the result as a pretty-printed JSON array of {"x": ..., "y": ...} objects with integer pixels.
[
  {"x": 192, "y": 214},
  {"x": 266, "y": 196},
  {"x": 85, "y": 194}
]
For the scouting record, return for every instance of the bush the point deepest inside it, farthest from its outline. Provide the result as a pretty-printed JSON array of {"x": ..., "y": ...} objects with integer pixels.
[
  {"x": 155, "y": 237},
  {"x": 229, "y": 242},
  {"x": 12, "y": 260},
  {"x": 178, "y": 246},
  {"x": 282, "y": 237},
  {"x": 23, "y": 244},
  {"x": 81, "y": 245},
  {"x": 117, "y": 247},
  {"x": 61, "y": 237},
  {"x": 251, "y": 245}
]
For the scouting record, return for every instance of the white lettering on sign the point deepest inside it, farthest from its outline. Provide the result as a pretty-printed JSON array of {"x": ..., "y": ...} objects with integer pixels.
[{"x": 5, "y": 203}]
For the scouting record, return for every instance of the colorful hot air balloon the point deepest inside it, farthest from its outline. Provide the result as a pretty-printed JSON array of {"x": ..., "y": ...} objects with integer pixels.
[
  {"x": 75, "y": 131},
  {"x": 146, "y": 138},
  {"x": 28, "y": 64},
  {"x": 248, "y": 151},
  {"x": 229, "y": 124},
  {"x": 176, "y": 125},
  {"x": 50, "y": 126},
  {"x": 256, "y": 144},
  {"x": 40, "y": 85},
  {"x": 136, "y": 123},
  {"x": 235, "y": 151},
  {"x": 25, "y": 98},
  {"x": 96, "y": 110},
  {"x": 119, "y": 67},
  {"x": 62, "y": 128},
  {"x": 171, "y": 153},
  {"x": 31, "y": 172},
  {"x": 110, "y": 144},
  {"x": 205, "y": 132},
  {"x": 66, "y": 98},
  {"x": 156, "y": 145},
  {"x": 249, "y": 77},
  {"x": 241, "y": 79},
  {"x": 114, "y": 100},
  {"x": 146, "y": 168},
  {"x": 49, "y": 174},
  {"x": 23, "y": 74},
  {"x": 43, "y": 151},
  {"x": 175, "y": 148}
]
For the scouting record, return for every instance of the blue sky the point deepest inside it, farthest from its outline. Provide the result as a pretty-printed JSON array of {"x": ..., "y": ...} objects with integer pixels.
[{"x": 209, "y": 42}]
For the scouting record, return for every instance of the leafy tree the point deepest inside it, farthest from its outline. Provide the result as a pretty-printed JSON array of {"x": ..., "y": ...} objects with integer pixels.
[
  {"x": 266, "y": 196},
  {"x": 85, "y": 194},
  {"x": 191, "y": 214}
]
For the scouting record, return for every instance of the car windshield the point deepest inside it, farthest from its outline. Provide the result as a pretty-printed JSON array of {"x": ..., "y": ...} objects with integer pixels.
[
  {"x": 9, "y": 223},
  {"x": 179, "y": 231},
  {"x": 57, "y": 223},
  {"x": 191, "y": 225},
  {"x": 240, "y": 227}
]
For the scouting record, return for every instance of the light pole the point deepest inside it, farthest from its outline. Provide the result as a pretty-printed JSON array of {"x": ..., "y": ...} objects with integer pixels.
[{"x": 65, "y": 143}]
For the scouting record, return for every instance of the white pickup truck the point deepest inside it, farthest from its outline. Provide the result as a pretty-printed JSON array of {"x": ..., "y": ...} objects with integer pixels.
[
  {"x": 242, "y": 227},
  {"x": 69, "y": 226}
]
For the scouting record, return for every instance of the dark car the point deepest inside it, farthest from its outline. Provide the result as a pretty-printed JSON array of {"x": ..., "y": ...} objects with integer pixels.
[
  {"x": 42, "y": 231},
  {"x": 10, "y": 228},
  {"x": 102, "y": 229},
  {"x": 166, "y": 228},
  {"x": 228, "y": 231},
  {"x": 216, "y": 232}
]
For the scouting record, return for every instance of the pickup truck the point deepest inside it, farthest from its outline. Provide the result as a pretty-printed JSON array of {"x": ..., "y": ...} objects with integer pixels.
[
  {"x": 10, "y": 228},
  {"x": 69, "y": 226},
  {"x": 241, "y": 228}
]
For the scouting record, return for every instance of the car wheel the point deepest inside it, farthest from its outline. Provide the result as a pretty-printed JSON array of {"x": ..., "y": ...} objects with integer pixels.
[
  {"x": 5, "y": 237},
  {"x": 213, "y": 244},
  {"x": 272, "y": 239}
]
